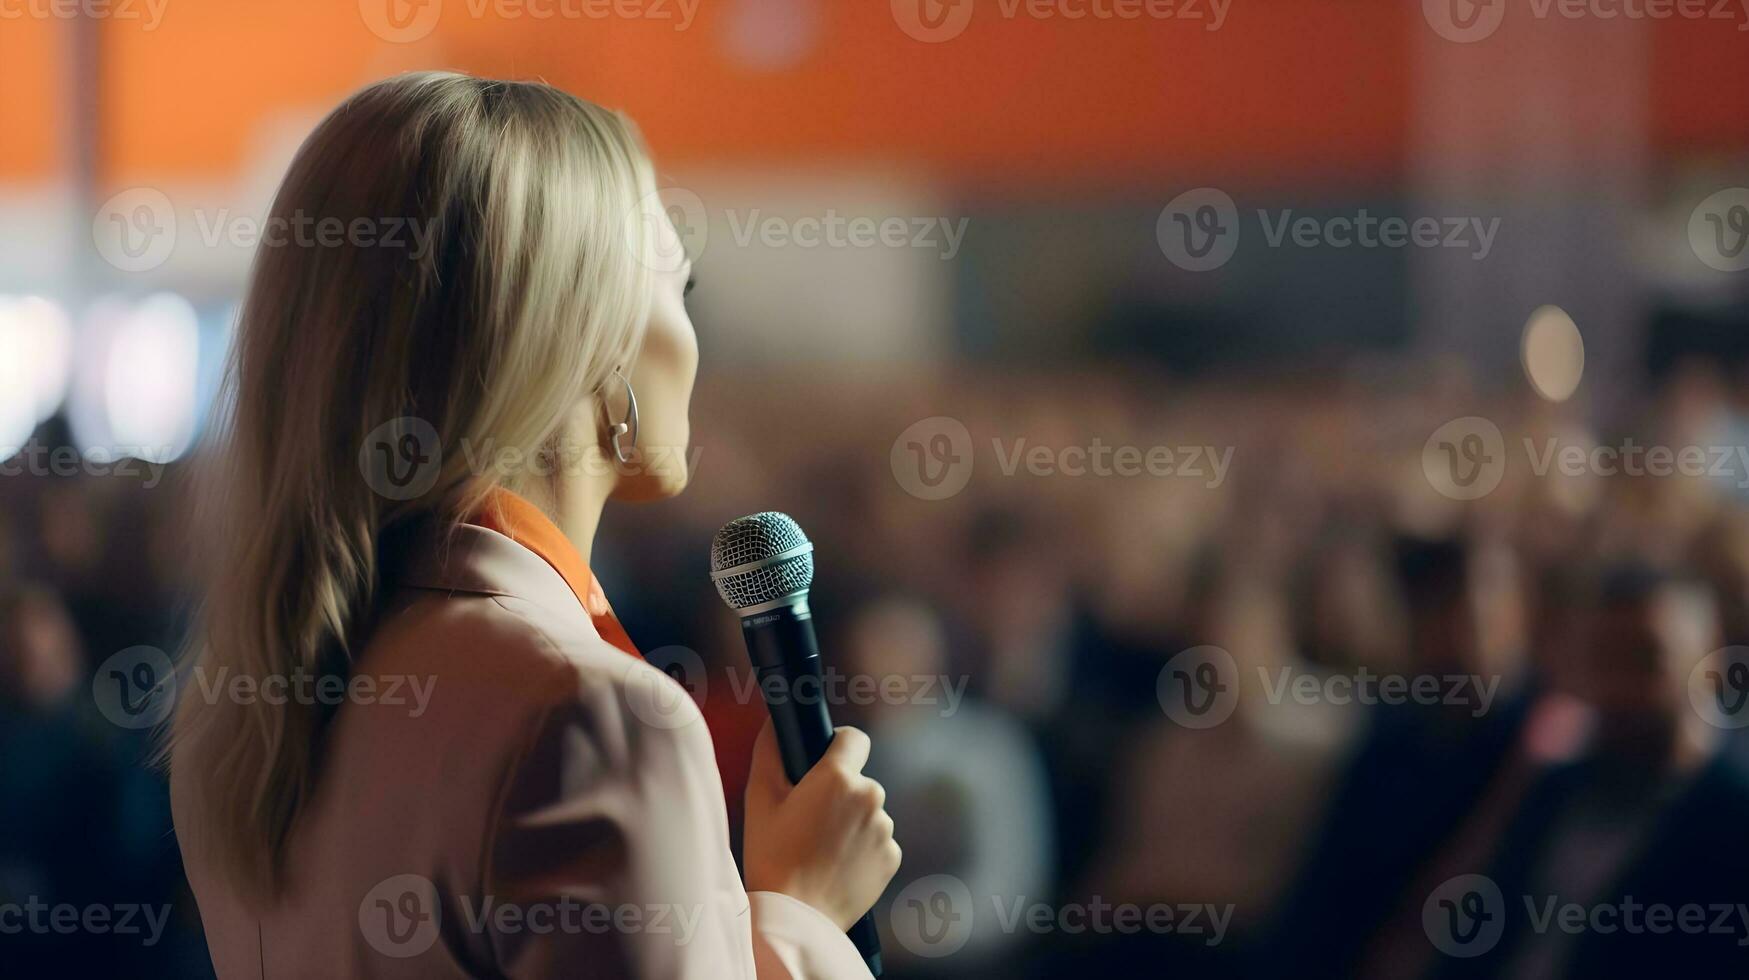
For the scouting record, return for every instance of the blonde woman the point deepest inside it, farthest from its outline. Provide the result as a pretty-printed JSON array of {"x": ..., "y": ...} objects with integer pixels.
[{"x": 414, "y": 742}]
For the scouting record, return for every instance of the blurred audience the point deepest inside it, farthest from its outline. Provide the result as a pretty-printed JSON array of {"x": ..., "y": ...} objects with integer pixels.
[
  {"x": 1560, "y": 617},
  {"x": 966, "y": 775}
]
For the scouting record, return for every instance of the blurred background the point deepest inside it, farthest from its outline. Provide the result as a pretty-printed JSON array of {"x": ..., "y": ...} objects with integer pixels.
[{"x": 1279, "y": 465}]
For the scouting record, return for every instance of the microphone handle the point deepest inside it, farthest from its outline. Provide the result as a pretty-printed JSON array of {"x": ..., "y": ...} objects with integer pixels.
[{"x": 786, "y": 660}]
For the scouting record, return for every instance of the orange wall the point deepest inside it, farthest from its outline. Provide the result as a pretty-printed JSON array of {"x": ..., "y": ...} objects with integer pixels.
[
  {"x": 32, "y": 75},
  {"x": 1291, "y": 88},
  {"x": 1009, "y": 99}
]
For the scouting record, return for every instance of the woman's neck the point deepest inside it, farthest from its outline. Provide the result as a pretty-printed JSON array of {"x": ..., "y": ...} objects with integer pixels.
[{"x": 574, "y": 502}]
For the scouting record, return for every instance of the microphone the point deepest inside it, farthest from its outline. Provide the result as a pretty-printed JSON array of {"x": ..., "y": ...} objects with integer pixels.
[{"x": 763, "y": 565}]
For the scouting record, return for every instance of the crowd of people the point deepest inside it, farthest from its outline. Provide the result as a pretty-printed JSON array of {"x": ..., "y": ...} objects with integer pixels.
[{"x": 1296, "y": 707}]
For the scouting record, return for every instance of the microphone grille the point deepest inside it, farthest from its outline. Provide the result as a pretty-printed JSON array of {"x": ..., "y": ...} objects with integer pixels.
[{"x": 761, "y": 558}]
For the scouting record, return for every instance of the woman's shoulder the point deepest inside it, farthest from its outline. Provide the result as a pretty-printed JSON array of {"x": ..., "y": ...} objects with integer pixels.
[{"x": 524, "y": 657}]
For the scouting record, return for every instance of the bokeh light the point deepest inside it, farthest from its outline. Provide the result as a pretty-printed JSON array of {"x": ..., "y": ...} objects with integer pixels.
[
  {"x": 35, "y": 356},
  {"x": 1553, "y": 353},
  {"x": 137, "y": 380}
]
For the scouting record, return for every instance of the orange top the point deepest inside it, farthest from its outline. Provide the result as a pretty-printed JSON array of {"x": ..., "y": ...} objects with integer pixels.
[{"x": 523, "y": 523}]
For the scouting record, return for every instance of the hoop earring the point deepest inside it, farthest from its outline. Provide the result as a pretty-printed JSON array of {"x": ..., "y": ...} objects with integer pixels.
[{"x": 620, "y": 429}]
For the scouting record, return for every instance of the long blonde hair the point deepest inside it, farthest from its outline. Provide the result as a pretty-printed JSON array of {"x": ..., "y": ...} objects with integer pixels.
[{"x": 521, "y": 278}]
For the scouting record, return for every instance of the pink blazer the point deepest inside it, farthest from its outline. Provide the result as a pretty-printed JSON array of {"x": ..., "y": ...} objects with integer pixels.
[{"x": 548, "y": 807}]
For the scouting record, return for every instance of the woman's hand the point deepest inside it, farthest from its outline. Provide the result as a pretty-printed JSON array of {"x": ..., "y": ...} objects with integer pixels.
[{"x": 826, "y": 841}]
